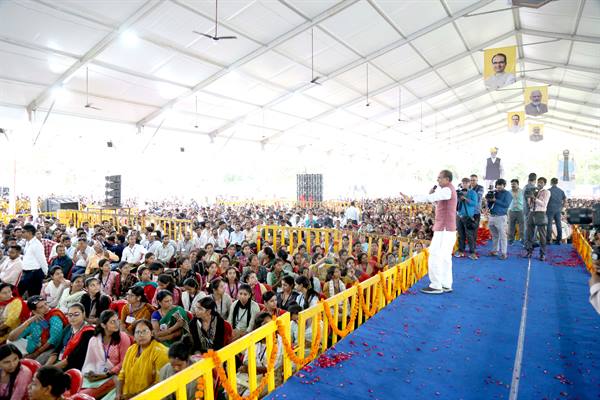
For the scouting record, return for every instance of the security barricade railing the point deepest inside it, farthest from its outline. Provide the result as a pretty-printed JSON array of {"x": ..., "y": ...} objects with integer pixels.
[
  {"x": 583, "y": 247},
  {"x": 319, "y": 327},
  {"x": 6, "y": 218},
  {"x": 292, "y": 237}
]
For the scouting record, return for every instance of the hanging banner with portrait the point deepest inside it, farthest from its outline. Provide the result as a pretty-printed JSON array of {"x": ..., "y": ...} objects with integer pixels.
[
  {"x": 536, "y": 132},
  {"x": 499, "y": 67},
  {"x": 536, "y": 100},
  {"x": 515, "y": 121}
]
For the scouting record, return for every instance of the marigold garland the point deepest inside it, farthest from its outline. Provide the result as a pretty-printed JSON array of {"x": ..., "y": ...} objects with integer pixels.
[
  {"x": 200, "y": 388},
  {"x": 369, "y": 312},
  {"x": 350, "y": 323},
  {"x": 231, "y": 391},
  {"x": 314, "y": 349},
  {"x": 388, "y": 297}
]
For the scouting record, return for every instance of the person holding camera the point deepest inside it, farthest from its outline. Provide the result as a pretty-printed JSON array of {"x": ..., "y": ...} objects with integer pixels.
[
  {"x": 466, "y": 224},
  {"x": 498, "y": 202},
  {"x": 531, "y": 185},
  {"x": 537, "y": 200}
]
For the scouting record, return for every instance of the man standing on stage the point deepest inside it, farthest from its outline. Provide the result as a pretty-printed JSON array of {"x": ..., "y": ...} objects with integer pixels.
[
  {"x": 444, "y": 234},
  {"x": 493, "y": 168}
]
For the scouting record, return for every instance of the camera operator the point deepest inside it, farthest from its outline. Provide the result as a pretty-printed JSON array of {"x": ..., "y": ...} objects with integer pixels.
[
  {"x": 498, "y": 202},
  {"x": 557, "y": 202},
  {"x": 537, "y": 201},
  {"x": 466, "y": 224},
  {"x": 531, "y": 185},
  {"x": 479, "y": 190}
]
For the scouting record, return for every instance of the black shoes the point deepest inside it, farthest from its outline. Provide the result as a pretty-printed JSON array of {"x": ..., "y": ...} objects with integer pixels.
[{"x": 430, "y": 290}]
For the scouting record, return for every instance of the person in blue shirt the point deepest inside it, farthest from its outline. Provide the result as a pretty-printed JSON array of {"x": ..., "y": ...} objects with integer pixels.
[
  {"x": 465, "y": 223},
  {"x": 479, "y": 190},
  {"x": 498, "y": 206}
]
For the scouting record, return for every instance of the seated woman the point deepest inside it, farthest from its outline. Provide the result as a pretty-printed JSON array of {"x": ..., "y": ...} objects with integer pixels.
[
  {"x": 334, "y": 283},
  {"x": 109, "y": 280},
  {"x": 208, "y": 329},
  {"x": 232, "y": 282},
  {"x": 169, "y": 320},
  {"x": 126, "y": 279},
  {"x": 49, "y": 383},
  {"x": 262, "y": 358},
  {"x": 243, "y": 312},
  {"x": 105, "y": 354},
  {"x": 166, "y": 282},
  {"x": 257, "y": 288},
  {"x": 43, "y": 330},
  {"x": 13, "y": 311},
  {"x": 137, "y": 307},
  {"x": 72, "y": 294},
  {"x": 211, "y": 273},
  {"x": 14, "y": 377},
  {"x": 313, "y": 281},
  {"x": 145, "y": 276},
  {"x": 70, "y": 351},
  {"x": 222, "y": 299},
  {"x": 54, "y": 288},
  {"x": 179, "y": 359},
  {"x": 191, "y": 294},
  {"x": 287, "y": 296},
  {"x": 270, "y": 304},
  {"x": 184, "y": 272},
  {"x": 142, "y": 362},
  {"x": 94, "y": 302},
  {"x": 307, "y": 296}
]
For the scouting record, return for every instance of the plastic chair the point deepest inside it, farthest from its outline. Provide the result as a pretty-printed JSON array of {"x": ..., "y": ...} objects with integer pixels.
[
  {"x": 80, "y": 396},
  {"x": 33, "y": 365},
  {"x": 117, "y": 306},
  {"x": 76, "y": 381},
  {"x": 149, "y": 291}
]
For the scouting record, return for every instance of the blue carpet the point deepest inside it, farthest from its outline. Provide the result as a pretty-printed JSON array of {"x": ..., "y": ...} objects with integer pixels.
[{"x": 462, "y": 345}]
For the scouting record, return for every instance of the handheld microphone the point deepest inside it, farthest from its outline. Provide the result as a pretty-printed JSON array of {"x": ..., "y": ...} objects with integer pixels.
[{"x": 434, "y": 187}]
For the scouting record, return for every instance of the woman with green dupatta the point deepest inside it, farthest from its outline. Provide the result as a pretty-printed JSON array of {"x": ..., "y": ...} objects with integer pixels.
[{"x": 169, "y": 321}]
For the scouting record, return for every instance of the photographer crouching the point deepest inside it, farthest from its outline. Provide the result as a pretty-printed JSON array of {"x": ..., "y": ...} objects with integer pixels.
[
  {"x": 537, "y": 199},
  {"x": 498, "y": 202},
  {"x": 466, "y": 223}
]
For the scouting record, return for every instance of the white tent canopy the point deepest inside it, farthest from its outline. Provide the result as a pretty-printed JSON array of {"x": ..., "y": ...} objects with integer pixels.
[{"x": 417, "y": 64}]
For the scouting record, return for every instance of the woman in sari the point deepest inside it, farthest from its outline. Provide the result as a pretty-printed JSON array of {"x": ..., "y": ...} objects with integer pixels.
[
  {"x": 14, "y": 377},
  {"x": 142, "y": 363},
  {"x": 70, "y": 351},
  {"x": 208, "y": 329},
  {"x": 105, "y": 354},
  {"x": 137, "y": 307},
  {"x": 12, "y": 311},
  {"x": 169, "y": 320},
  {"x": 72, "y": 295}
]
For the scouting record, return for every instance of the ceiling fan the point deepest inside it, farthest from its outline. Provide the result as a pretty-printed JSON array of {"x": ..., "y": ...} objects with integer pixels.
[
  {"x": 87, "y": 92},
  {"x": 216, "y": 35},
  {"x": 313, "y": 79}
]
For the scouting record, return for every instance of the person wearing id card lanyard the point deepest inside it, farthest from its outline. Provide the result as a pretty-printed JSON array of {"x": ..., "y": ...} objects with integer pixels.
[{"x": 137, "y": 308}]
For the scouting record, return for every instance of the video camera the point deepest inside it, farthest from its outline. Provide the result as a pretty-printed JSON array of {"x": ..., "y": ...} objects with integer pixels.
[
  {"x": 491, "y": 194},
  {"x": 531, "y": 192},
  {"x": 461, "y": 193},
  {"x": 588, "y": 218}
]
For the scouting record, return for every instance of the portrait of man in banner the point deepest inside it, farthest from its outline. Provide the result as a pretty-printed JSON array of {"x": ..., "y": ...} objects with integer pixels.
[
  {"x": 536, "y": 100},
  {"x": 499, "y": 67},
  {"x": 516, "y": 121},
  {"x": 536, "y": 132}
]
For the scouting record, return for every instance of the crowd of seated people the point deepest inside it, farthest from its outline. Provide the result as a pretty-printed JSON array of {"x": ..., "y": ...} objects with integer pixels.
[{"x": 128, "y": 307}]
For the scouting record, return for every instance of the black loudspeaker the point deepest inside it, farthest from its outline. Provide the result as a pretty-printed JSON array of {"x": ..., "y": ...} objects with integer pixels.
[
  {"x": 309, "y": 187},
  {"x": 52, "y": 204},
  {"x": 112, "y": 191}
]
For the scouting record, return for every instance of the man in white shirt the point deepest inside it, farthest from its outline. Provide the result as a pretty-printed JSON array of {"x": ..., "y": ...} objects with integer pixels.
[
  {"x": 352, "y": 214},
  {"x": 133, "y": 253},
  {"x": 223, "y": 237},
  {"x": 80, "y": 258},
  {"x": 35, "y": 266},
  {"x": 500, "y": 77},
  {"x": 12, "y": 266},
  {"x": 237, "y": 236},
  {"x": 165, "y": 252},
  {"x": 185, "y": 246}
]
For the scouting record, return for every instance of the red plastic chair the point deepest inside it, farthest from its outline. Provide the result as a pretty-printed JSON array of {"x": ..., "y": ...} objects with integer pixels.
[
  {"x": 117, "y": 306},
  {"x": 31, "y": 364},
  {"x": 80, "y": 396},
  {"x": 76, "y": 382},
  {"x": 149, "y": 291}
]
